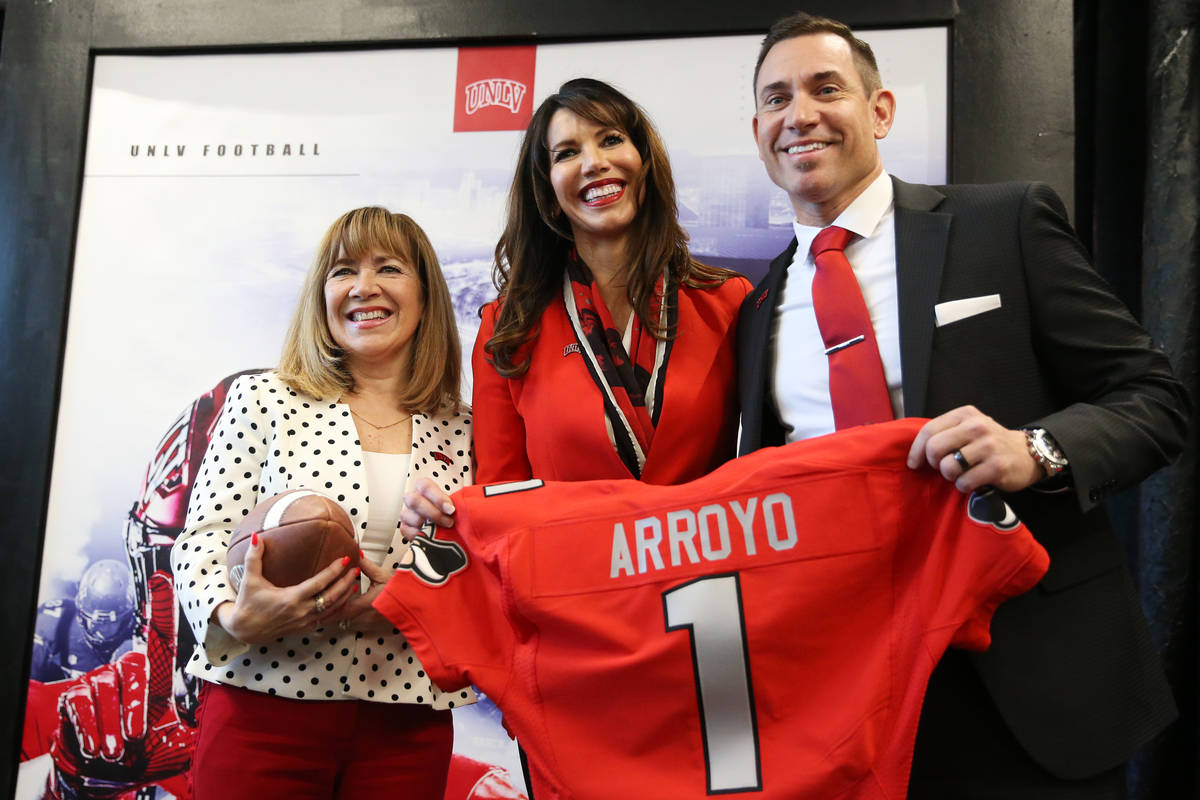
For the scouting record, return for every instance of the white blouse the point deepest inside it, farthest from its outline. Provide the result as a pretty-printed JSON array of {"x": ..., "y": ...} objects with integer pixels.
[
  {"x": 270, "y": 438},
  {"x": 386, "y": 475}
]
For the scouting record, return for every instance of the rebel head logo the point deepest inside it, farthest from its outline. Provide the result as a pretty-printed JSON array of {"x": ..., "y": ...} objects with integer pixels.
[
  {"x": 494, "y": 89},
  {"x": 433, "y": 561},
  {"x": 987, "y": 507}
]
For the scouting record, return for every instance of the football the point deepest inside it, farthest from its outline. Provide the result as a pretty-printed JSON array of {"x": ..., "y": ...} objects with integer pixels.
[{"x": 302, "y": 532}]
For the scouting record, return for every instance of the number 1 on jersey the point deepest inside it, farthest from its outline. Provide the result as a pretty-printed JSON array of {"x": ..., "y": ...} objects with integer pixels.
[{"x": 710, "y": 609}]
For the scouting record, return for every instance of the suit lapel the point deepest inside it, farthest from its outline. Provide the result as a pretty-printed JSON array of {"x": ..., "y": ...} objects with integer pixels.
[
  {"x": 766, "y": 297},
  {"x": 754, "y": 348},
  {"x": 921, "y": 239}
]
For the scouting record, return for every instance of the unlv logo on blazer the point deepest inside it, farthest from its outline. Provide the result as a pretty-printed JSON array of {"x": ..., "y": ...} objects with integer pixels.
[{"x": 494, "y": 88}]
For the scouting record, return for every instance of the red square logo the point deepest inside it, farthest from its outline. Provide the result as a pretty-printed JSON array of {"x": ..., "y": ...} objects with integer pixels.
[{"x": 494, "y": 90}]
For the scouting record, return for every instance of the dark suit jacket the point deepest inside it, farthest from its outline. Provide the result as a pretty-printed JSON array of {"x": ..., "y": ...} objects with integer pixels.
[{"x": 1071, "y": 668}]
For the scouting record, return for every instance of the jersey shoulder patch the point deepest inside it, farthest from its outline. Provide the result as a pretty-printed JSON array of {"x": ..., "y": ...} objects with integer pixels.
[
  {"x": 432, "y": 561},
  {"x": 987, "y": 507}
]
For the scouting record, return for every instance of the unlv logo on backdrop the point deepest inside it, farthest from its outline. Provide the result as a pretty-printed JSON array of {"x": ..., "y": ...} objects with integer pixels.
[
  {"x": 494, "y": 88},
  {"x": 495, "y": 92}
]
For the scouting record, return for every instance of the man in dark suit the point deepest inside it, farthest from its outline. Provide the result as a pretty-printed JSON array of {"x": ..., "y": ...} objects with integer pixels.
[{"x": 987, "y": 318}]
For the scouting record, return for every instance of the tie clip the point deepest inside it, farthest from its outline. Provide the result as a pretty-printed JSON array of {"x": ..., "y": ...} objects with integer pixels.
[{"x": 844, "y": 345}]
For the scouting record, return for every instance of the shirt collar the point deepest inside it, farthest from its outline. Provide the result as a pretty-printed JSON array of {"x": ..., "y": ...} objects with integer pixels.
[{"x": 861, "y": 217}]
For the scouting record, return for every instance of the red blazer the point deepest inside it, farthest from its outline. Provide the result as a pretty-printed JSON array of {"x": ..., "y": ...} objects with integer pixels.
[{"x": 549, "y": 422}]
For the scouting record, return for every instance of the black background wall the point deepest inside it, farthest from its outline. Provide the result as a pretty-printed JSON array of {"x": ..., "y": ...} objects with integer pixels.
[
  {"x": 1138, "y": 200},
  {"x": 1012, "y": 117}
]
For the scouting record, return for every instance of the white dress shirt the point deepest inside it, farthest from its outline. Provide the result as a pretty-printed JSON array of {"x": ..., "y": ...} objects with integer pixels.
[{"x": 801, "y": 367}]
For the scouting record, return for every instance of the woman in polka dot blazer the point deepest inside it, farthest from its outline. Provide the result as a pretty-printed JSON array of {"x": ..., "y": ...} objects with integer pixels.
[{"x": 309, "y": 692}]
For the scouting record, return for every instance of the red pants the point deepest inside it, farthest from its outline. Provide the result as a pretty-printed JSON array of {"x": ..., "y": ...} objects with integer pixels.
[{"x": 252, "y": 745}]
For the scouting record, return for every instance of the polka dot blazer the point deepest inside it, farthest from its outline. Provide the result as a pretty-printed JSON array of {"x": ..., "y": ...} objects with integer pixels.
[{"x": 270, "y": 438}]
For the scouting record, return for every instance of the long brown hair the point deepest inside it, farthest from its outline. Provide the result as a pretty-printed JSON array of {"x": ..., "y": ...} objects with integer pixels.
[
  {"x": 532, "y": 251},
  {"x": 312, "y": 362}
]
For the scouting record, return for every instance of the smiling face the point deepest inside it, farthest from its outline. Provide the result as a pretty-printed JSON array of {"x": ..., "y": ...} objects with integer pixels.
[
  {"x": 373, "y": 304},
  {"x": 816, "y": 125},
  {"x": 596, "y": 174}
]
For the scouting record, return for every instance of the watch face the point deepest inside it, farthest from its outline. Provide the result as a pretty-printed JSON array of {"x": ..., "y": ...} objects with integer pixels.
[
  {"x": 1045, "y": 451},
  {"x": 1047, "y": 448}
]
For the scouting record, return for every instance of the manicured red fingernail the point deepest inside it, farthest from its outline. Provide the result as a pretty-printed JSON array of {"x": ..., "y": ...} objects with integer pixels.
[
  {"x": 361, "y": 554},
  {"x": 254, "y": 539},
  {"x": 345, "y": 561},
  {"x": 357, "y": 571}
]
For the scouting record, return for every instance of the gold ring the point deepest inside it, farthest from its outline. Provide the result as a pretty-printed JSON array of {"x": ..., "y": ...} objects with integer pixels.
[
  {"x": 320, "y": 601},
  {"x": 343, "y": 625}
]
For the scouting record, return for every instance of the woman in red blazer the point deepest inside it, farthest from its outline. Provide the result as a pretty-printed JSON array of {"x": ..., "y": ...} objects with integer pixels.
[{"x": 610, "y": 352}]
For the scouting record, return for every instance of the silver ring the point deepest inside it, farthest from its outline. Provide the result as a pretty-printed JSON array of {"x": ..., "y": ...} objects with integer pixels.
[
  {"x": 961, "y": 460},
  {"x": 320, "y": 601},
  {"x": 343, "y": 625}
]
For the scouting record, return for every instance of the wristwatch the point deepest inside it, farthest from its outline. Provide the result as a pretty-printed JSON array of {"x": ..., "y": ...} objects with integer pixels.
[{"x": 1045, "y": 451}]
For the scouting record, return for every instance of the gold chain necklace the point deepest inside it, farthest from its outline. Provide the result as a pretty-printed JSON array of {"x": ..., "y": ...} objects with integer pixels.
[{"x": 380, "y": 427}]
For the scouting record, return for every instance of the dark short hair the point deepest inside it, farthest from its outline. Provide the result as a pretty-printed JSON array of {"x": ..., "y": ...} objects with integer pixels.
[{"x": 804, "y": 24}]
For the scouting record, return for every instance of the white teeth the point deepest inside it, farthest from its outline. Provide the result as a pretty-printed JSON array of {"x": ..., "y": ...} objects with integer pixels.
[
  {"x": 359, "y": 316},
  {"x": 806, "y": 148},
  {"x": 597, "y": 192}
]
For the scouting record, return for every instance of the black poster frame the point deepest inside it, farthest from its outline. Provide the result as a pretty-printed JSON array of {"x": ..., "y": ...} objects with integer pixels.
[{"x": 1011, "y": 118}]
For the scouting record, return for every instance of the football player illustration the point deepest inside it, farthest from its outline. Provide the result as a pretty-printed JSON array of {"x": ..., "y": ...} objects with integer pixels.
[
  {"x": 125, "y": 729},
  {"x": 119, "y": 732},
  {"x": 158, "y": 515},
  {"x": 73, "y": 635},
  {"x": 477, "y": 780}
]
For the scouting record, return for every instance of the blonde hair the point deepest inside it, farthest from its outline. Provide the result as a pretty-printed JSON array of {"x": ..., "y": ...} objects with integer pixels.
[{"x": 313, "y": 363}]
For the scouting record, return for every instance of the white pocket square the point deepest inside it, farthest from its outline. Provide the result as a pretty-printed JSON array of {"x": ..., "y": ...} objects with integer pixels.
[{"x": 954, "y": 310}]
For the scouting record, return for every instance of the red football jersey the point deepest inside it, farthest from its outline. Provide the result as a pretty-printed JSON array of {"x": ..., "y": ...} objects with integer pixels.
[{"x": 768, "y": 629}]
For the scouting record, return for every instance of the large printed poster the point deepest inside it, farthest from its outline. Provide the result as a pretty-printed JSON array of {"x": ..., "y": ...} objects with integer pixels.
[{"x": 208, "y": 182}]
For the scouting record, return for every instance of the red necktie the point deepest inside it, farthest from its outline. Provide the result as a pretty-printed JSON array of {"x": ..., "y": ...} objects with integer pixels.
[{"x": 857, "y": 386}]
